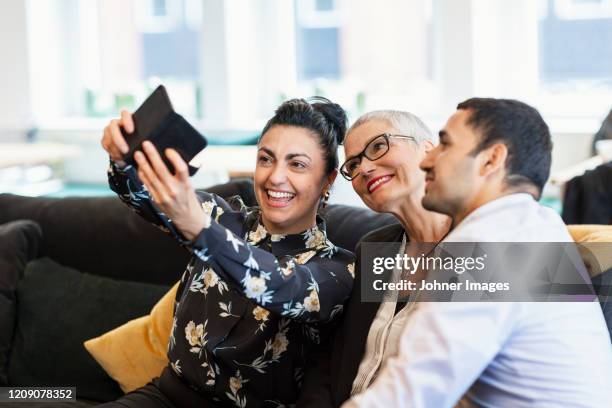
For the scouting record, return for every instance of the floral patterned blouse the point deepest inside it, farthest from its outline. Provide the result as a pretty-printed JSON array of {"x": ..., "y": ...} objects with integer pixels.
[{"x": 250, "y": 304}]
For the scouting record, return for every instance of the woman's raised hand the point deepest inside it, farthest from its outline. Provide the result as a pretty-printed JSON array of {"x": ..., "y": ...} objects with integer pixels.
[
  {"x": 172, "y": 193},
  {"x": 112, "y": 139}
]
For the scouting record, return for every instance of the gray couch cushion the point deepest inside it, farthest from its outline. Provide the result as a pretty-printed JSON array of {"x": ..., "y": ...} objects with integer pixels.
[
  {"x": 19, "y": 242},
  {"x": 59, "y": 308},
  {"x": 102, "y": 236}
]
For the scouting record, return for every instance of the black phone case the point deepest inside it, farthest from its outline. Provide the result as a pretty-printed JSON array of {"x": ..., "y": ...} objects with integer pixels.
[{"x": 156, "y": 121}]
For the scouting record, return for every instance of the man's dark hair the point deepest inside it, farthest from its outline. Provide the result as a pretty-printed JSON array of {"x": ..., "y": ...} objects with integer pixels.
[{"x": 521, "y": 128}]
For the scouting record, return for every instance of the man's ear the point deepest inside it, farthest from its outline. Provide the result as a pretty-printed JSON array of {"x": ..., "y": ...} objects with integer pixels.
[{"x": 493, "y": 159}]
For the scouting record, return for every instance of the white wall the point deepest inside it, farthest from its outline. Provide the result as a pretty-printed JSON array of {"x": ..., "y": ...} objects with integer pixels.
[
  {"x": 14, "y": 84},
  {"x": 570, "y": 148}
]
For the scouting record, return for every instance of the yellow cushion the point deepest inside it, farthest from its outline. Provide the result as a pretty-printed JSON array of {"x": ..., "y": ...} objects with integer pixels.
[
  {"x": 592, "y": 238},
  {"x": 580, "y": 232},
  {"x": 134, "y": 353}
]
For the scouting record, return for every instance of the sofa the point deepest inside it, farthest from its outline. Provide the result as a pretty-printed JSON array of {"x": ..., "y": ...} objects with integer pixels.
[{"x": 97, "y": 265}]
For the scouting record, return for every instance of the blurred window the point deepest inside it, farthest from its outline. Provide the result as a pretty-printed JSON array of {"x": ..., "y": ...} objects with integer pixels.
[{"x": 233, "y": 62}]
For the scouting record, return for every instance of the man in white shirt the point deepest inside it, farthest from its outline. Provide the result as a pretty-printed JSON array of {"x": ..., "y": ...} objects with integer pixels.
[{"x": 487, "y": 172}]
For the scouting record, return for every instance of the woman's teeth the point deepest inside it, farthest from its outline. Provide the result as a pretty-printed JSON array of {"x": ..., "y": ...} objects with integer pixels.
[
  {"x": 280, "y": 194},
  {"x": 379, "y": 182}
]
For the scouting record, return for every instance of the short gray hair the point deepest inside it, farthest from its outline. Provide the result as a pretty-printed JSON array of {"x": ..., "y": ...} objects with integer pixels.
[{"x": 404, "y": 122}]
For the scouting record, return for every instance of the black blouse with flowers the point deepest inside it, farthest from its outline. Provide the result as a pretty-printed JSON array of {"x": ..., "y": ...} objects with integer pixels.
[{"x": 250, "y": 304}]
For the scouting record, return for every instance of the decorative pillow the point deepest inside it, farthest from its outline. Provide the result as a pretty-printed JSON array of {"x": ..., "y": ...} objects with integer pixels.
[
  {"x": 579, "y": 232},
  {"x": 135, "y": 353},
  {"x": 19, "y": 243},
  {"x": 596, "y": 255},
  {"x": 58, "y": 309}
]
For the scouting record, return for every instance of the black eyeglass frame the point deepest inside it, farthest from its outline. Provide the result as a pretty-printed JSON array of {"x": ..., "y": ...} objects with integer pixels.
[{"x": 360, "y": 156}]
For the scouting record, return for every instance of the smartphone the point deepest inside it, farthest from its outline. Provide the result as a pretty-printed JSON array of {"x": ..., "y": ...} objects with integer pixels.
[{"x": 156, "y": 121}]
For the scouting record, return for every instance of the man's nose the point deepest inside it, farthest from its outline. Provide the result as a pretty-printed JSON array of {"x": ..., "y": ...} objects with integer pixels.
[{"x": 427, "y": 162}]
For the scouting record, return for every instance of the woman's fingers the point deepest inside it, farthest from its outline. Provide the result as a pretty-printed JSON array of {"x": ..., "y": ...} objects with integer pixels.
[
  {"x": 105, "y": 140},
  {"x": 127, "y": 121},
  {"x": 157, "y": 163},
  {"x": 180, "y": 167},
  {"x": 117, "y": 139},
  {"x": 113, "y": 141},
  {"x": 152, "y": 177},
  {"x": 108, "y": 144},
  {"x": 147, "y": 183}
]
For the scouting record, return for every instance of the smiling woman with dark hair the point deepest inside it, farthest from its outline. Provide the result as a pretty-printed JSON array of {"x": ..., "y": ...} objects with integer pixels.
[{"x": 262, "y": 281}]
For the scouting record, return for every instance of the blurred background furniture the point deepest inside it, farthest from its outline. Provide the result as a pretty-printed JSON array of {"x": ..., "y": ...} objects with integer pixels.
[
  {"x": 34, "y": 168},
  {"x": 588, "y": 197}
]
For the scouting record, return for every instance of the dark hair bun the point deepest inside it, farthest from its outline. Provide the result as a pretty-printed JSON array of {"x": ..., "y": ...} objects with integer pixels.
[
  {"x": 334, "y": 115},
  {"x": 326, "y": 120}
]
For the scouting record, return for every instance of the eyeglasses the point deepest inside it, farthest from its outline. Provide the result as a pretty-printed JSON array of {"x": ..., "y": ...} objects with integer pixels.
[{"x": 374, "y": 150}]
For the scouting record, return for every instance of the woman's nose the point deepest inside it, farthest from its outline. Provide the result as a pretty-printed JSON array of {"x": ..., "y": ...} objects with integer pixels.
[
  {"x": 366, "y": 166},
  {"x": 278, "y": 174}
]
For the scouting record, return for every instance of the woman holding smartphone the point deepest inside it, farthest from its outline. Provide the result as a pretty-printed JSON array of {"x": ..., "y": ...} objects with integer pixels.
[{"x": 262, "y": 282}]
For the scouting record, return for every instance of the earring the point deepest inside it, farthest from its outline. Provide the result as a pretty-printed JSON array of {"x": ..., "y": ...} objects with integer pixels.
[{"x": 325, "y": 198}]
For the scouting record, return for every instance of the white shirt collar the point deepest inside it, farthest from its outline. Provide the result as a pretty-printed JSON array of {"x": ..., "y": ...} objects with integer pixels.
[{"x": 488, "y": 219}]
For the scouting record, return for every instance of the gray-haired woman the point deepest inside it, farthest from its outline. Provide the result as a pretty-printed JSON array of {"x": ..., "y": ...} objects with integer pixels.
[{"x": 383, "y": 150}]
